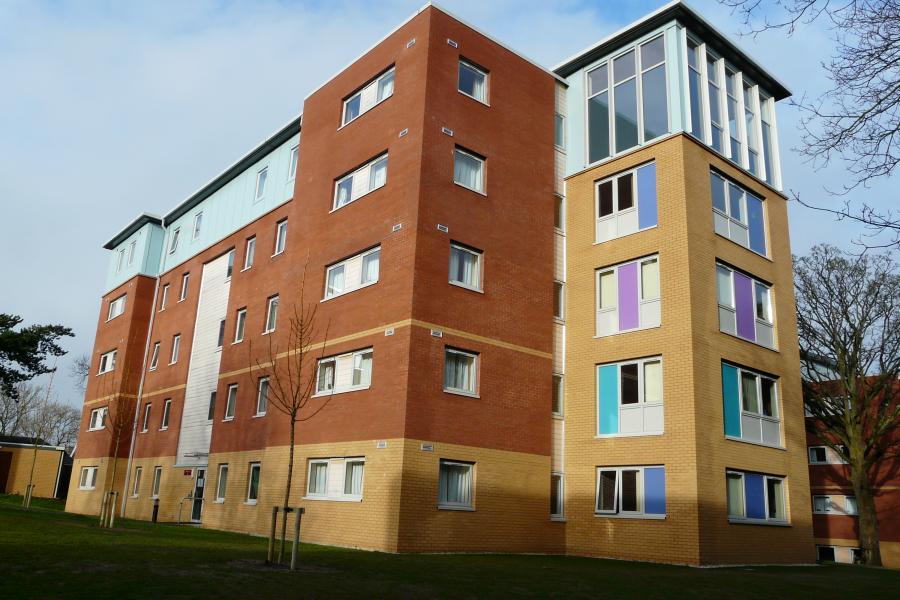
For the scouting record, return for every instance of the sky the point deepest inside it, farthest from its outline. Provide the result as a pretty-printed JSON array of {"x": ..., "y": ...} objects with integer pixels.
[{"x": 109, "y": 109}]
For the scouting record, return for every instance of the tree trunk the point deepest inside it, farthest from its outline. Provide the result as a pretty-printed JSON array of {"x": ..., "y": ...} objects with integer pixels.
[
  {"x": 868, "y": 519},
  {"x": 287, "y": 489},
  {"x": 31, "y": 474}
]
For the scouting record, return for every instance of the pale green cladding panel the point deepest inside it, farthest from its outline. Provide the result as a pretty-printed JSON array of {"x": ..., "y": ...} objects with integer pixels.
[{"x": 138, "y": 254}]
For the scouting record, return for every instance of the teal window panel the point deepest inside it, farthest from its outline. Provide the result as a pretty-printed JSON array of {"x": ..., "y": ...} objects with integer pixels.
[
  {"x": 731, "y": 401},
  {"x": 608, "y": 398}
]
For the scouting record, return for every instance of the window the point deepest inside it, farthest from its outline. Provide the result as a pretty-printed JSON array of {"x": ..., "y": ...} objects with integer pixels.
[
  {"x": 823, "y": 504},
  {"x": 559, "y": 300},
  {"x": 280, "y": 236},
  {"x": 823, "y": 455},
  {"x": 154, "y": 357},
  {"x": 229, "y": 270},
  {"x": 455, "y": 485},
  {"x": 261, "y": 177},
  {"x": 173, "y": 242},
  {"x": 344, "y": 373},
  {"x": 373, "y": 93},
  {"x": 825, "y": 553},
  {"x": 262, "y": 397},
  {"x": 360, "y": 182},
  {"x": 222, "y": 483},
  {"x": 88, "y": 479},
  {"x": 637, "y": 109},
  {"x": 630, "y": 398},
  {"x": 556, "y": 495},
  {"x": 221, "y": 337},
  {"x": 167, "y": 411},
  {"x": 472, "y": 81},
  {"x": 817, "y": 455},
  {"x": 715, "y": 97},
  {"x": 738, "y": 214},
  {"x": 626, "y": 203},
  {"x": 107, "y": 362},
  {"x": 468, "y": 170},
  {"x": 292, "y": 165},
  {"x": 850, "y": 506},
  {"x": 751, "y": 124},
  {"x": 240, "y": 323},
  {"x": 253, "y": 483},
  {"x": 556, "y": 405},
  {"x": 754, "y": 497},
  {"x": 132, "y": 249},
  {"x": 157, "y": 477},
  {"x": 249, "y": 251},
  {"x": 176, "y": 345},
  {"x": 231, "y": 402},
  {"x": 335, "y": 478},
  {"x": 750, "y": 406},
  {"x": 212, "y": 406},
  {"x": 353, "y": 273},
  {"x": 628, "y": 297},
  {"x": 185, "y": 279},
  {"x": 271, "y": 314},
  {"x": 164, "y": 297},
  {"x": 98, "y": 418},
  {"x": 745, "y": 307},
  {"x": 733, "y": 92},
  {"x": 460, "y": 371},
  {"x": 145, "y": 424},
  {"x": 559, "y": 215},
  {"x": 116, "y": 307},
  {"x": 465, "y": 266},
  {"x": 631, "y": 492},
  {"x": 198, "y": 223},
  {"x": 559, "y": 132},
  {"x": 136, "y": 484},
  {"x": 769, "y": 149}
]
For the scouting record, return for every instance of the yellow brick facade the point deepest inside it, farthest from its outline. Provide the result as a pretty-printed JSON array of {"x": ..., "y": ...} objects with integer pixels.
[
  {"x": 88, "y": 502},
  {"x": 46, "y": 470},
  {"x": 692, "y": 448}
]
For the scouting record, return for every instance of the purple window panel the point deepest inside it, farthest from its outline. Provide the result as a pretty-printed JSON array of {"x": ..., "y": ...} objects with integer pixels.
[
  {"x": 628, "y": 297},
  {"x": 743, "y": 302}
]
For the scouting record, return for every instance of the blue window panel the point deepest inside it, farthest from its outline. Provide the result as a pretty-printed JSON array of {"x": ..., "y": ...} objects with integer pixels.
[
  {"x": 731, "y": 401},
  {"x": 757, "y": 224},
  {"x": 755, "y": 496},
  {"x": 655, "y": 491},
  {"x": 646, "y": 192},
  {"x": 608, "y": 398}
]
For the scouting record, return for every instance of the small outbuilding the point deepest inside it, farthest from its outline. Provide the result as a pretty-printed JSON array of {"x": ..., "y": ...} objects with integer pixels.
[{"x": 18, "y": 453}]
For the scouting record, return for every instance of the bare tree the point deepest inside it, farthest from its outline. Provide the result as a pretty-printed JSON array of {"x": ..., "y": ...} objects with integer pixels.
[
  {"x": 848, "y": 316},
  {"x": 79, "y": 371},
  {"x": 857, "y": 119},
  {"x": 14, "y": 409},
  {"x": 64, "y": 421},
  {"x": 36, "y": 424},
  {"x": 119, "y": 416},
  {"x": 292, "y": 377}
]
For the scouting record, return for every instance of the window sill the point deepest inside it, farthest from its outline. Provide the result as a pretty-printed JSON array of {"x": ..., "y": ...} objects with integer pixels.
[
  {"x": 743, "y": 441},
  {"x": 258, "y": 416},
  {"x": 98, "y": 429},
  {"x": 559, "y": 230},
  {"x": 163, "y": 428},
  {"x": 462, "y": 393},
  {"x": 740, "y": 521},
  {"x": 559, "y": 320},
  {"x": 478, "y": 100},
  {"x": 619, "y": 237},
  {"x": 606, "y": 335},
  {"x": 219, "y": 501},
  {"x": 133, "y": 496},
  {"x": 268, "y": 331},
  {"x": 455, "y": 508},
  {"x": 82, "y": 489},
  {"x": 151, "y": 369},
  {"x": 237, "y": 341},
  {"x": 350, "y": 291},
  {"x": 602, "y": 436},
  {"x": 743, "y": 339},
  {"x": 250, "y": 503},
  {"x": 227, "y": 419},
  {"x": 636, "y": 517},
  {"x": 343, "y": 391},
  {"x": 558, "y": 416},
  {"x": 277, "y": 254},
  {"x": 465, "y": 187},
  {"x": 466, "y": 287},
  {"x": 333, "y": 499},
  {"x": 357, "y": 117},
  {"x": 725, "y": 237},
  {"x": 557, "y": 519},
  {"x": 246, "y": 268}
]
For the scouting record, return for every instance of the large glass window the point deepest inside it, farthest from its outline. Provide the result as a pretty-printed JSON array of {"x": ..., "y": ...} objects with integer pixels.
[
  {"x": 738, "y": 214},
  {"x": 465, "y": 266},
  {"x": 472, "y": 81},
  {"x": 714, "y": 86},
  {"x": 376, "y": 91},
  {"x": 335, "y": 478},
  {"x": 460, "y": 371},
  {"x": 345, "y": 372},
  {"x": 750, "y": 406},
  {"x": 755, "y": 497},
  {"x": 630, "y": 398},
  {"x": 631, "y": 491},
  {"x": 694, "y": 79},
  {"x": 353, "y": 273},
  {"x": 628, "y": 296},
  {"x": 455, "y": 485},
  {"x": 745, "y": 306},
  {"x": 360, "y": 182},
  {"x": 625, "y": 203},
  {"x": 468, "y": 170}
]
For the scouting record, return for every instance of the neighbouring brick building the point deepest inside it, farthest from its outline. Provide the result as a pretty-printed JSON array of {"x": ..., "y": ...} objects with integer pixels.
[{"x": 551, "y": 299}]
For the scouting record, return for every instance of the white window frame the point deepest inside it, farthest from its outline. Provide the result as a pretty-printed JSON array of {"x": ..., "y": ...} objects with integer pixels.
[
  {"x": 373, "y": 86},
  {"x": 560, "y": 485},
  {"x": 145, "y": 423},
  {"x": 258, "y": 467},
  {"x": 230, "y": 402},
  {"x": 198, "y": 223},
  {"x": 642, "y": 404},
  {"x": 768, "y": 520},
  {"x": 292, "y": 164},
  {"x": 732, "y": 308},
  {"x": 614, "y": 269},
  {"x": 136, "y": 483},
  {"x": 482, "y": 171},
  {"x": 176, "y": 347},
  {"x": 479, "y": 267},
  {"x": 280, "y": 236},
  {"x": 271, "y": 314},
  {"x": 474, "y": 374},
  {"x": 465, "y": 64},
  {"x": 120, "y": 260},
  {"x": 220, "y": 493},
  {"x": 616, "y": 213},
  {"x": 240, "y": 325},
  {"x": 249, "y": 252},
  {"x": 454, "y": 505},
  {"x": 185, "y": 282},
  {"x": 559, "y": 389},
  {"x": 156, "y": 483},
  {"x": 132, "y": 250},
  {"x": 616, "y": 511},
  {"x": 116, "y": 308},
  {"x": 154, "y": 357},
  {"x": 173, "y": 241},
  {"x": 759, "y": 416},
  {"x": 559, "y": 124},
  {"x": 741, "y": 225},
  {"x": 262, "y": 177},
  {"x": 262, "y": 382},
  {"x": 164, "y": 297},
  {"x": 335, "y": 468},
  {"x": 354, "y": 357},
  {"x": 107, "y": 362},
  {"x": 344, "y": 265},
  {"x": 98, "y": 419},
  {"x": 830, "y": 506},
  {"x": 367, "y": 170},
  {"x": 87, "y": 480},
  {"x": 559, "y": 300},
  {"x": 167, "y": 414},
  {"x": 230, "y": 268}
]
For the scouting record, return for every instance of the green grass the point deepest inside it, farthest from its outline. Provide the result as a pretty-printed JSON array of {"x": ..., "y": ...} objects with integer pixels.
[
  {"x": 48, "y": 503},
  {"x": 48, "y": 554}
]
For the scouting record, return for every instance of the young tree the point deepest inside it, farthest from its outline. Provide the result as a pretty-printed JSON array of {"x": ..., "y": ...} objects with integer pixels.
[
  {"x": 37, "y": 425},
  {"x": 848, "y": 317},
  {"x": 79, "y": 371},
  {"x": 292, "y": 377},
  {"x": 857, "y": 119},
  {"x": 119, "y": 418},
  {"x": 23, "y": 352}
]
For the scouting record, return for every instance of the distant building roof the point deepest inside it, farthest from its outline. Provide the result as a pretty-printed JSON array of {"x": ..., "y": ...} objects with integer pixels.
[{"x": 22, "y": 439}]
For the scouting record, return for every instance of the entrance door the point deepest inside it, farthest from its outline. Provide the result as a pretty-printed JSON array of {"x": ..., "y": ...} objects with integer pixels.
[
  {"x": 199, "y": 484},
  {"x": 5, "y": 462}
]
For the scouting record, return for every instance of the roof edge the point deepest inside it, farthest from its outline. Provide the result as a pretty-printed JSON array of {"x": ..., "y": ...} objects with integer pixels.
[{"x": 141, "y": 220}]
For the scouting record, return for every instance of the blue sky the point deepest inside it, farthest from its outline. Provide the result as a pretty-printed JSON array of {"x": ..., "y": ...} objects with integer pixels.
[{"x": 112, "y": 108}]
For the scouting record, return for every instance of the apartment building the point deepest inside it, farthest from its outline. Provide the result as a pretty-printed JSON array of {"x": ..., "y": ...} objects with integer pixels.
[{"x": 550, "y": 298}]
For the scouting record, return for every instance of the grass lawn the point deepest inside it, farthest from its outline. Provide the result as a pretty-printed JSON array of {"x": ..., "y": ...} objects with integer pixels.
[{"x": 45, "y": 553}]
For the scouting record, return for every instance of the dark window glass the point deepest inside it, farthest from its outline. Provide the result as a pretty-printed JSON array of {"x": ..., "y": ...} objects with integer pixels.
[
  {"x": 629, "y": 491},
  {"x": 607, "y": 496},
  {"x": 626, "y": 198},
  {"x": 629, "y": 384},
  {"x": 825, "y": 553},
  {"x": 212, "y": 406},
  {"x": 598, "y": 127},
  {"x": 605, "y": 199},
  {"x": 626, "y": 115},
  {"x": 768, "y": 397},
  {"x": 718, "y": 192},
  {"x": 654, "y": 98}
]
